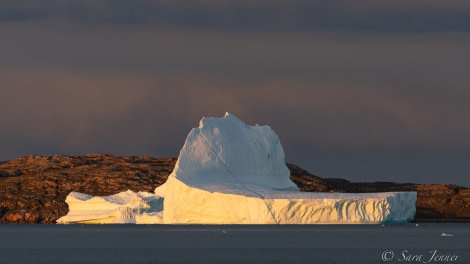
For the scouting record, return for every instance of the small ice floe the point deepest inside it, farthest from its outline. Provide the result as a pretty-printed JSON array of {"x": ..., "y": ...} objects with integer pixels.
[{"x": 446, "y": 235}]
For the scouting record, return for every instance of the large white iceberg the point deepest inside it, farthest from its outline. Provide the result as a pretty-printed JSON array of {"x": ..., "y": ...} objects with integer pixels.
[{"x": 231, "y": 173}]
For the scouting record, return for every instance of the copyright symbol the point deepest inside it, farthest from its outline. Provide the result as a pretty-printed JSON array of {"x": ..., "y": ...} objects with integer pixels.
[{"x": 387, "y": 255}]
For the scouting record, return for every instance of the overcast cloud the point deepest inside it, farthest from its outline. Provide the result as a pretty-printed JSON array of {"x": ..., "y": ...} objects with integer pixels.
[{"x": 371, "y": 91}]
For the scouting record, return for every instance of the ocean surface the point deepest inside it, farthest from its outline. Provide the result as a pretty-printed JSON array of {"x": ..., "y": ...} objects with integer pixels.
[{"x": 407, "y": 243}]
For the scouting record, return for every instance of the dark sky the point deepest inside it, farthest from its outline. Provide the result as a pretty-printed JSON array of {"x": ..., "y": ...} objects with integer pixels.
[{"x": 363, "y": 90}]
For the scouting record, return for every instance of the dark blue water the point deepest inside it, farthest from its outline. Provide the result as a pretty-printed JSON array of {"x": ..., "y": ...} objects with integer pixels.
[{"x": 235, "y": 244}]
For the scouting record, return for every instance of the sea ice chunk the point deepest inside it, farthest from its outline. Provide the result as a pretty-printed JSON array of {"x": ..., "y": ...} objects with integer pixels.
[{"x": 122, "y": 208}]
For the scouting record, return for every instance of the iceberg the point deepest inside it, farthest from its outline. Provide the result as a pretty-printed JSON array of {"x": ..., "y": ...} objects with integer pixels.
[
  {"x": 232, "y": 173},
  {"x": 123, "y": 208}
]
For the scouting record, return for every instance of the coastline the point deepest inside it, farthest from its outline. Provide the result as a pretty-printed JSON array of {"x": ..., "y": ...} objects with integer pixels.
[{"x": 33, "y": 188}]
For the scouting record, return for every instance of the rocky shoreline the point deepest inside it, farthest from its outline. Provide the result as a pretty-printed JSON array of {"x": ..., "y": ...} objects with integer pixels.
[{"x": 33, "y": 188}]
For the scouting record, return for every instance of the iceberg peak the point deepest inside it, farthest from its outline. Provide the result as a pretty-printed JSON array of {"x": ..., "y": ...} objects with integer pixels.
[{"x": 226, "y": 154}]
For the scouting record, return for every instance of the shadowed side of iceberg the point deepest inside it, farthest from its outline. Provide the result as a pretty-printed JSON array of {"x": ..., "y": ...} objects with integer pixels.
[{"x": 226, "y": 154}]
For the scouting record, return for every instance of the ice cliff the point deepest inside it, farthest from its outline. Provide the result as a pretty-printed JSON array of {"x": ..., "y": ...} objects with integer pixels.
[{"x": 231, "y": 173}]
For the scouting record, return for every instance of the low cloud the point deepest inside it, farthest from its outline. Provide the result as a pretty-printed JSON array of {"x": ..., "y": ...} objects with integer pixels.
[{"x": 151, "y": 114}]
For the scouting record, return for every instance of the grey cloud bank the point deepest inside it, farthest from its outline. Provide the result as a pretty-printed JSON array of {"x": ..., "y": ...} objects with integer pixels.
[
  {"x": 372, "y": 100},
  {"x": 383, "y": 16}
]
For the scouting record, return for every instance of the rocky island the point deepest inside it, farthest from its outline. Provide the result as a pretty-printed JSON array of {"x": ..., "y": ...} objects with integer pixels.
[{"x": 33, "y": 189}]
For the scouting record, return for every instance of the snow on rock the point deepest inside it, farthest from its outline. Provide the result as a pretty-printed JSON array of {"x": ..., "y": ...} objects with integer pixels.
[{"x": 231, "y": 173}]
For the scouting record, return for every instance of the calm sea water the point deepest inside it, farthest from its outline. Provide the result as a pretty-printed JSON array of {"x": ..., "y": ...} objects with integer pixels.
[{"x": 235, "y": 244}]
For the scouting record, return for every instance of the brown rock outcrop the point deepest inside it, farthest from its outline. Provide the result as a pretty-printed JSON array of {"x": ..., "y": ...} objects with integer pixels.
[
  {"x": 38, "y": 194},
  {"x": 33, "y": 188}
]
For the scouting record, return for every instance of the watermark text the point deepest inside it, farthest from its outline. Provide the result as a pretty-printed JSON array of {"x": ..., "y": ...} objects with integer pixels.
[{"x": 430, "y": 256}]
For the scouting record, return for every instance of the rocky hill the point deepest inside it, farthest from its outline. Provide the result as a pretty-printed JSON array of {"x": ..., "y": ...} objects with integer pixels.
[{"x": 33, "y": 188}]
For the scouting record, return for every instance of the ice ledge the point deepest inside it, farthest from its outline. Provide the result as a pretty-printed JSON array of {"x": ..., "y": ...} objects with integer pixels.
[
  {"x": 197, "y": 206},
  {"x": 285, "y": 207},
  {"x": 122, "y": 208}
]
